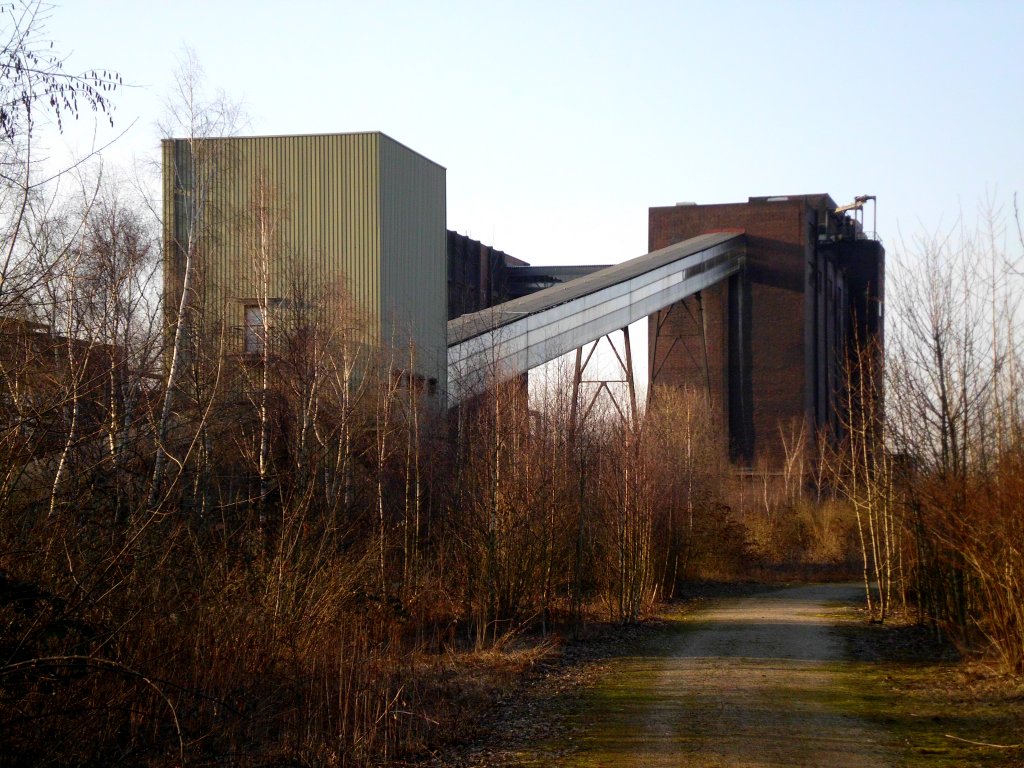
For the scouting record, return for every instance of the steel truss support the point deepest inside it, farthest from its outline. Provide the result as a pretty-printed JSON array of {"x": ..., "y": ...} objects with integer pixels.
[
  {"x": 700, "y": 321},
  {"x": 625, "y": 361}
]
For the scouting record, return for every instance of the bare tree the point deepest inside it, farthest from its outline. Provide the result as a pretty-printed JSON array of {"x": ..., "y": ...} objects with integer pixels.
[
  {"x": 684, "y": 450},
  {"x": 953, "y": 402},
  {"x": 862, "y": 472},
  {"x": 198, "y": 119},
  {"x": 35, "y": 87}
]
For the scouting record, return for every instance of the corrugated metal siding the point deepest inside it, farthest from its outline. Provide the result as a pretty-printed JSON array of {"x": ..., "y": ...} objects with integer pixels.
[
  {"x": 413, "y": 256},
  {"x": 172, "y": 258},
  {"x": 354, "y": 209},
  {"x": 175, "y": 210},
  {"x": 321, "y": 194}
]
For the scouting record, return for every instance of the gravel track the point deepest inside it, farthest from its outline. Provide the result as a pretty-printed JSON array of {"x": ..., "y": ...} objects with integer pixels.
[{"x": 746, "y": 683}]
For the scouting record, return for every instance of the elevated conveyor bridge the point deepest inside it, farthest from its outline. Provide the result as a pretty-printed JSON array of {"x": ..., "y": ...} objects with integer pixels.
[{"x": 513, "y": 337}]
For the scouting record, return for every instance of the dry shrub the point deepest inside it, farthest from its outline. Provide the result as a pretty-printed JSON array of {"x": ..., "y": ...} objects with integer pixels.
[
  {"x": 969, "y": 559},
  {"x": 789, "y": 526},
  {"x": 785, "y": 541},
  {"x": 251, "y": 655},
  {"x": 830, "y": 531},
  {"x": 721, "y": 548},
  {"x": 694, "y": 532}
]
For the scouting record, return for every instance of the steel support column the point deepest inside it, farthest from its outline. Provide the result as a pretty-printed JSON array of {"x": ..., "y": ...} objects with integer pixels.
[{"x": 625, "y": 362}]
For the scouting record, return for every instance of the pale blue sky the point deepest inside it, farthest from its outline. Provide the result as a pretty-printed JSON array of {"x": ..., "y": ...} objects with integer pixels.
[{"x": 561, "y": 122}]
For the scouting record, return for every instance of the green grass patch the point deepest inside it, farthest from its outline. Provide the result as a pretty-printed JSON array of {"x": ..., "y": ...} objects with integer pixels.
[{"x": 937, "y": 711}]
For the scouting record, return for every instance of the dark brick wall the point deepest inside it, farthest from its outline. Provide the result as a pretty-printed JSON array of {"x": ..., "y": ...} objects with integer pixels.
[
  {"x": 477, "y": 275},
  {"x": 780, "y": 246}
]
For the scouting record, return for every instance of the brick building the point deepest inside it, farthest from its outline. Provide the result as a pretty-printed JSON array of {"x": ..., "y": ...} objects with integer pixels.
[
  {"x": 478, "y": 275},
  {"x": 769, "y": 347}
]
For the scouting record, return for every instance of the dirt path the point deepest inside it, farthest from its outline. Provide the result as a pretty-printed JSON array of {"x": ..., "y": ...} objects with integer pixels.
[{"x": 747, "y": 683}]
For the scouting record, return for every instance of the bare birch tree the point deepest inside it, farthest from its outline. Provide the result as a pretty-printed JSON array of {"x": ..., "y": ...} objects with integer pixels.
[{"x": 197, "y": 118}]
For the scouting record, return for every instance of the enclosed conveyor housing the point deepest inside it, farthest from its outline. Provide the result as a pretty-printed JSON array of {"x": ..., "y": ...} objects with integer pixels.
[{"x": 511, "y": 338}]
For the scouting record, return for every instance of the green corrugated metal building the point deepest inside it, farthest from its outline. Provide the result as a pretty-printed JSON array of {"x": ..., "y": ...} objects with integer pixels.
[{"x": 281, "y": 215}]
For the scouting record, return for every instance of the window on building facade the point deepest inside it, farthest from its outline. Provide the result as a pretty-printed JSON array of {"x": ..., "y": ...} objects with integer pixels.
[{"x": 255, "y": 330}]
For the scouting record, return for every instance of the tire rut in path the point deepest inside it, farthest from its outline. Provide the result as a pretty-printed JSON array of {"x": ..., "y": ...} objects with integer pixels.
[{"x": 749, "y": 683}]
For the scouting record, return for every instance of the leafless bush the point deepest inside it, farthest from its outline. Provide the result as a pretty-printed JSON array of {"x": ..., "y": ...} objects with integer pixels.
[
  {"x": 953, "y": 401},
  {"x": 695, "y": 531}
]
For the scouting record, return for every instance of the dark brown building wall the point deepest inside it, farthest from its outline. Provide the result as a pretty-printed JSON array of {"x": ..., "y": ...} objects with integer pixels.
[
  {"x": 780, "y": 245},
  {"x": 477, "y": 275}
]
